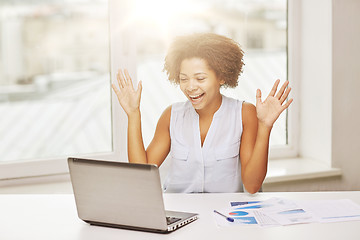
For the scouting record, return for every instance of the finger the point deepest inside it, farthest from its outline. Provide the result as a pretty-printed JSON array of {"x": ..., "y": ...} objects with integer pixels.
[
  {"x": 285, "y": 95},
  {"x": 114, "y": 87},
  {"x": 258, "y": 97},
  {"x": 287, "y": 104},
  {"x": 139, "y": 89},
  {"x": 282, "y": 89},
  {"x": 117, "y": 92},
  {"x": 120, "y": 78},
  {"x": 128, "y": 78},
  {"x": 273, "y": 90},
  {"x": 139, "y": 86}
]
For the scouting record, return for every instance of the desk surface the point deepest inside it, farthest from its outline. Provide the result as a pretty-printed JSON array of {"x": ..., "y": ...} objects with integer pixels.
[{"x": 54, "y": 217}]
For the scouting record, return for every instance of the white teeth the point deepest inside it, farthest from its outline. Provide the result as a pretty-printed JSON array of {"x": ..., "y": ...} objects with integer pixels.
[{"x": 195, "y": 96}]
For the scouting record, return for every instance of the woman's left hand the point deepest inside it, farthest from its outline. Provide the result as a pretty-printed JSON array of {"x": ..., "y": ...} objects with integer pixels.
[{"x": 269, "y": 110}]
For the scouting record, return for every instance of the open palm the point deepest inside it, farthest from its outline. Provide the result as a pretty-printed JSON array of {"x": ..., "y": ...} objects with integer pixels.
[
  {"x": 129, "y": 99},
  {"x": 270, "y": 109}
]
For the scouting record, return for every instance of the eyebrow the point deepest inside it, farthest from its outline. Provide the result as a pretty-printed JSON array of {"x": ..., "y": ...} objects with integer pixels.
[{"x": 199, "y": 73}]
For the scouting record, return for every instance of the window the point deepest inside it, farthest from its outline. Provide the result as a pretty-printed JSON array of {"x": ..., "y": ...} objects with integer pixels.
[
  {"x": 55, "y": 95},
  {"x": 260, "y": 27},
  {"x": 54, "y": 80}
]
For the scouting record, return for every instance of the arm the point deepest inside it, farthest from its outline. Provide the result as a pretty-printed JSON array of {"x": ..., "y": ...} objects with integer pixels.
[
  {"x": 253, "y": 149},
  {"x": 129, "y": 100},
  {"x": 159, "y": 146},
  {"x": 257, "y": 124}
]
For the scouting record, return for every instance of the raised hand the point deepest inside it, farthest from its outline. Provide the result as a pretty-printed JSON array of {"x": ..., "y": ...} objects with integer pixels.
[
  {"x": 269, "y": 110},
  {"x": 129, "y": 99}
]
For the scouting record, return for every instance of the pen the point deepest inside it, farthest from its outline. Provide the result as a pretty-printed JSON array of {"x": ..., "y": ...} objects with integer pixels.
[{"x": 227, "y": 218}]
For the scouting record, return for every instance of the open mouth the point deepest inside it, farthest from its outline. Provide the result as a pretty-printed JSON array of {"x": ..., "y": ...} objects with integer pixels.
[{"x": 196, "y": 97}]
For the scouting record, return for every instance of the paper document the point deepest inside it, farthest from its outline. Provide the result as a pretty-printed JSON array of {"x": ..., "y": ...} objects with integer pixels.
[
  {"x": 280, "y": 211},
  {"x": 333, "y": 210},
  {"x": 287, "y": 212}
]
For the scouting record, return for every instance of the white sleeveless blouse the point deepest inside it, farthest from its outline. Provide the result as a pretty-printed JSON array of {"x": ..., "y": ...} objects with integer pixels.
[{"x": 214, "y": 167}]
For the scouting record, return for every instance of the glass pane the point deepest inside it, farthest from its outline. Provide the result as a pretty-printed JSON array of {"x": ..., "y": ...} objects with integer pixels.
[
  {"x": 260, "y": 27},
  {"x": 54, "y": 79}
]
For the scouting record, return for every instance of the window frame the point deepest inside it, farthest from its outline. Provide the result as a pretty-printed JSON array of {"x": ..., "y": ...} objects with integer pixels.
[{"x": 291, "y": 150}]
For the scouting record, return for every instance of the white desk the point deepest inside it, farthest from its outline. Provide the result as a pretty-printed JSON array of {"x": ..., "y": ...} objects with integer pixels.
[{"x": 54, "y": 217}]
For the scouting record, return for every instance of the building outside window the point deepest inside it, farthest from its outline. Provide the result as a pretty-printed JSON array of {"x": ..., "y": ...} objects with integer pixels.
[{"x": 54, "y": 79}]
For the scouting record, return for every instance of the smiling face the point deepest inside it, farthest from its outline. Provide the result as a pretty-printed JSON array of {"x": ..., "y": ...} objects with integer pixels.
[{"x": 200, "y": 85}]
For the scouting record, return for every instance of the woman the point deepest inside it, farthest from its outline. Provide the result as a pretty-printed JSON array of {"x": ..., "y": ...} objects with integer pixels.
[{"x": 217, "y": 144}]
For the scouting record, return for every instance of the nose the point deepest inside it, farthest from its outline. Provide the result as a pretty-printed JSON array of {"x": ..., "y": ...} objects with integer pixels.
[{"x": 192, "y": 85}]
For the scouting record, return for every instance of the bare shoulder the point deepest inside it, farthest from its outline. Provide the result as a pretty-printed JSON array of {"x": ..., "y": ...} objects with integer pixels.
[
  {"x": 165, "y": 117},
  {"x": 248, "y": 113},
  {"x": 167, "y": 111},
  {"x": 161, "y": 137}
]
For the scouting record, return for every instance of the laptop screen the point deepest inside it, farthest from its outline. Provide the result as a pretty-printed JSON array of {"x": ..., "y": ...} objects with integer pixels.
[{"x": 118, "y": 193}]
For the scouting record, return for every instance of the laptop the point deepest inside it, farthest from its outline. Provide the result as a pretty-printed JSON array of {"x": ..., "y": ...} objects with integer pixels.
[{"x": 122, "y": 195}]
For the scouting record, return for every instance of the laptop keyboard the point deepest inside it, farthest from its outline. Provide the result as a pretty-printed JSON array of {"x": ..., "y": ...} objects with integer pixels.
[{"x": 171, "y": 220}]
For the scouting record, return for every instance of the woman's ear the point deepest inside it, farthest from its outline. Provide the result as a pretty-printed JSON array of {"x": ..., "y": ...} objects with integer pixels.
[{"x": 222, "y": 82}]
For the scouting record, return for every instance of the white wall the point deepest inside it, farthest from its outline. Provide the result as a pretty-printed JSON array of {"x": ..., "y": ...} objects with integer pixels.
[{"x": 346, "y": 90}]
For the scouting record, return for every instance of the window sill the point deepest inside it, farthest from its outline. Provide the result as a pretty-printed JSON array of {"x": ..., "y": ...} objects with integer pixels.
[
  {"x": 284, "y": 170},
  {"x": 49, "y": 184},
  {"x": 279, "y": 170}
]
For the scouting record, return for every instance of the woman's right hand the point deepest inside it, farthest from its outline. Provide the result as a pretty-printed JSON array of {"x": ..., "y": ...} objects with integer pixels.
[{"x": 129, "y": 99}]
